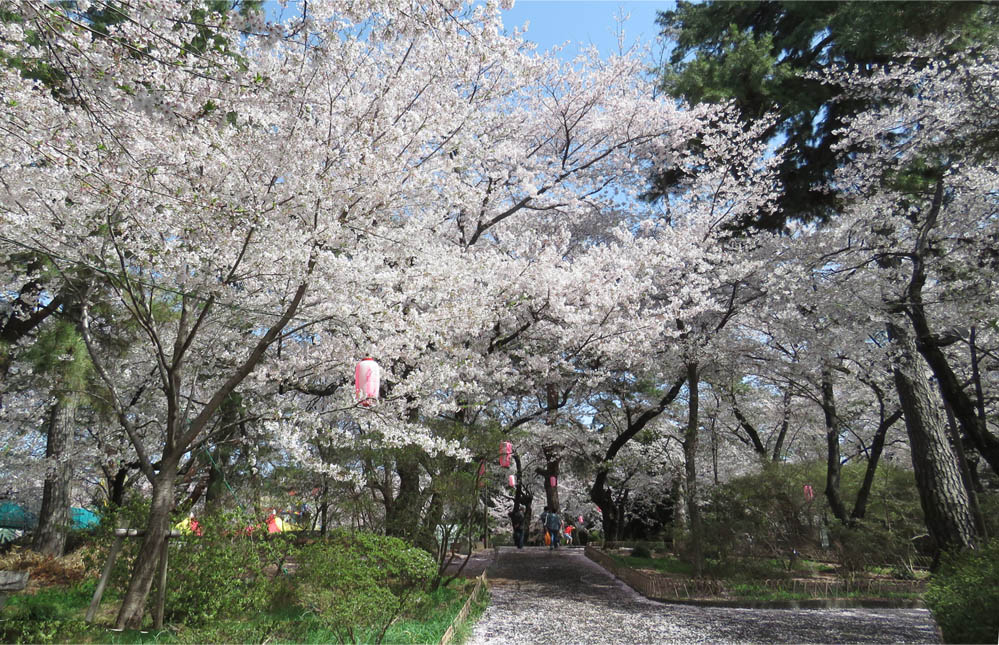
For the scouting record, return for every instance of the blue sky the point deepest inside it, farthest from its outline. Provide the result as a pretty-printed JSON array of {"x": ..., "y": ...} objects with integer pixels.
[{"x": 552, "y": 22}]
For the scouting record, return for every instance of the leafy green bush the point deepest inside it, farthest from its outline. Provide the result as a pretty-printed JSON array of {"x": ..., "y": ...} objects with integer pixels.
[
  {"x": 964, "y": 594},
  {"x": 224, "y": 572},
  {"x": 867, "y": 545},
  {"x": 357, "y": 583}
]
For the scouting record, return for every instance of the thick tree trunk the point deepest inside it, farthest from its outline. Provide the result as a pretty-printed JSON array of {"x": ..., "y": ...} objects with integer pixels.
[
  {"x": 962, "y": 461},
  {"x": 964, "y": 409},
  {"x": 679, "y": 509},
  {"x": 833, "y": 462},
  {"x": 550, "y": 471},
  {"x": 941, "y": 491},
  {"x": 53, "y": 518},
  {"x": 403, "y": 518},
  {"x": 157, "y": 529},
  {"x": 690, "y": 469},
  {"x": 604, "y": 499}
]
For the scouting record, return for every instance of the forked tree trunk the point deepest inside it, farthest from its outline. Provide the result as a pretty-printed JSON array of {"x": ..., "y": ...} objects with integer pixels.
[
  {"x": 941, "y": 491},
  {"x": 877, "y": 447},
  {"x": 157, "y": 529}
]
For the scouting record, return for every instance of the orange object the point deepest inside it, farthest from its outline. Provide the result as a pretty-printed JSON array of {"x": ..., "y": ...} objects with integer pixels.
[{"x": 548, "y": 538}]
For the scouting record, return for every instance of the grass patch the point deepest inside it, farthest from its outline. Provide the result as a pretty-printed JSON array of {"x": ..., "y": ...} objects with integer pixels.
[
  {"x": 664, "y": 565},
  {"x": 435, "y": 617}
]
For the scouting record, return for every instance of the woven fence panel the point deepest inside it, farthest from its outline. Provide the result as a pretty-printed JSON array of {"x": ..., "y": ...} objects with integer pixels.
[{"x": 661, "y": 587}]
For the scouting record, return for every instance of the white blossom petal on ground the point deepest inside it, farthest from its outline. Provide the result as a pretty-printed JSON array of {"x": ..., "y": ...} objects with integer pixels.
[{"x": 544, "y": 596}]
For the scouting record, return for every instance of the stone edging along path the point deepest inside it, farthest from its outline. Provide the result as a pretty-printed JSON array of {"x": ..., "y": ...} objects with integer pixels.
[
  {"x": 543, "y": 596},
  {"x": 711, "y": 592}
]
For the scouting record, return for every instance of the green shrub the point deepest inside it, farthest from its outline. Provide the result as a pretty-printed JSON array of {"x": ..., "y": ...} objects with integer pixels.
[
  {"x": 964, "y": 595},
  {"x": 641, "y": 551},
  {"x": 357, "y": 583},
  {"x": 224, "y": 572}
]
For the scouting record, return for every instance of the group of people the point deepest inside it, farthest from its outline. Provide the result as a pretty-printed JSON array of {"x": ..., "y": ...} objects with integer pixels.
[{"x": 553, "y": 529}]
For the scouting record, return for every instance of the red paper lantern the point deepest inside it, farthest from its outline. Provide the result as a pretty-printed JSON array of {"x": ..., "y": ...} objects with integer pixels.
[
  {"x": 367, "y": 376},
  {"x": 553, "y": 481}
]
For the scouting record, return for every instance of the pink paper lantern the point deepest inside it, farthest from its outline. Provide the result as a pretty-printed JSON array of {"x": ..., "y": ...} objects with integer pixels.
[
  {"x": 809, "y": 493},
  {"x": 506, "y": 449},
  {"x": 580, "y": 519},
  {"x": 553, "y": 481},
  {"x": 367, "y": 376},
  {"x": 513, "y": 481}
]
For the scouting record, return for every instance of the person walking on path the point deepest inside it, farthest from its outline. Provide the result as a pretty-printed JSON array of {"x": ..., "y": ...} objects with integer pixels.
[
  {"x": 553, "y": 524},
  {"x": 517, "y": 520}
]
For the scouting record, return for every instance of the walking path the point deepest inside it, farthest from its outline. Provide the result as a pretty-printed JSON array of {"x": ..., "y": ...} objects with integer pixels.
[{"x": 543, "y": 596}]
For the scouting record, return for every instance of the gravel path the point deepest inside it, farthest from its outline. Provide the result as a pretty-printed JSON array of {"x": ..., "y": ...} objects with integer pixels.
[{"x": 543, "y": 596}]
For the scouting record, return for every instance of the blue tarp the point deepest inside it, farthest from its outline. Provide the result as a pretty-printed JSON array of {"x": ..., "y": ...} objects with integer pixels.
[
  {"x": 15, "y": 516},
  {"x": 81, "y": 518}
]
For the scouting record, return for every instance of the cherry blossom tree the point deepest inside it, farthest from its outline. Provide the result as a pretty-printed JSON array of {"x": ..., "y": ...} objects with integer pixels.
[
  {"x": 369, "y": 179},
  {"x": 911, "y": 252}
]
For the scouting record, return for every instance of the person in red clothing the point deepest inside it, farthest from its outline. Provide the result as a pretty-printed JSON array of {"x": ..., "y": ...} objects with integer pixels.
[{"x": 568, "y": 534}]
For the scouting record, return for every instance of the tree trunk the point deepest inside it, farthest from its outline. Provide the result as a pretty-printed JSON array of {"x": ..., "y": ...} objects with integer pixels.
[
  {"x": 784, "y": 423},
  {"x": 833, "y": 462},
  {"x": 877, "y": 447},
  {"x": 157, "y": 529},
  {"x": 690, "y": 469},
  {"x": 54, "y": 517},
  {"x": 604, "y": 499},
  {"x": 960, "y": 403},
  {"x": 941, "y": 492},
  {"x": 969, "y": 486},
  {"x": 551, "y": 470},
  {"x": 679, "y": 510},
  {"x": 405, "y": 512}
]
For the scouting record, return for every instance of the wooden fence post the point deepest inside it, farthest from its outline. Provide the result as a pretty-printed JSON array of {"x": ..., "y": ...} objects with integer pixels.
[{"x": 105, "y": 574}]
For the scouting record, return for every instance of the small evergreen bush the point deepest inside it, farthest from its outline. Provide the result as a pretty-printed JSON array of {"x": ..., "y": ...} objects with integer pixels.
[
  {"x": 641, "y": 551},
  {"x": 964, "y": 595}
]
